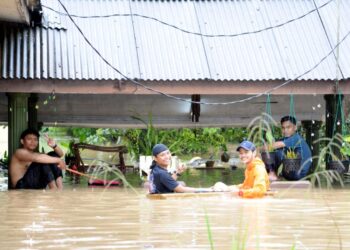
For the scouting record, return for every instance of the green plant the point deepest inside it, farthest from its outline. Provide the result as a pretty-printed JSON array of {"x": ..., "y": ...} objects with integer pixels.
[
  {"x": 269, "y": 141},
  {"x": 147, "y": 138},
  {"x": 107, "y": 172},
  {"x": 320, "y": 175},
  {"x": 345, "y": 147},
  {"x": 335, "y": 148},
  {"x": 215, "y": 139},
  {"x": 209, "y": 231},
  {"x": 5, "y": 159},
  {"x": 261, "y": 131},
  {"x": 291, "y": 154},
  {"x": 141, "y": 142}
]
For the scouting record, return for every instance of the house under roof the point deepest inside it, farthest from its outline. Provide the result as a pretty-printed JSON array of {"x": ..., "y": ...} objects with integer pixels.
[{"x": 96, "y": 63}]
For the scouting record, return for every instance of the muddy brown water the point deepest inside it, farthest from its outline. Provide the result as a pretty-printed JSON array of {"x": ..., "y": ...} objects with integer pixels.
[{"x": 117, "y": 218}]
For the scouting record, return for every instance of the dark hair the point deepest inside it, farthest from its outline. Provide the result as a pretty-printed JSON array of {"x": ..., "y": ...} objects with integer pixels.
[
  {"x": 289, "y": 118},
  {"x": 153, "y": 164},
  {"x": 29, "y": 131}
]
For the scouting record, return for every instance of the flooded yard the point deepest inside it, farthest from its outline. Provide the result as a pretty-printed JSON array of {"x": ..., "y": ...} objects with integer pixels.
[{"x": 117, "y": 218}]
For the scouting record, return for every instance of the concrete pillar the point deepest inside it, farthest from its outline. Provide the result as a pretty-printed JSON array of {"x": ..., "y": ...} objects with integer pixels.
[
  {"x": 312, "y": 133},
  {"x": 333, "y": 120},
  {"x": 17, "y": 120}
]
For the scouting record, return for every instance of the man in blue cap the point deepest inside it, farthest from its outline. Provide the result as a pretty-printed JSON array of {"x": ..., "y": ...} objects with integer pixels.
[
  {"x": 256, "y": 181},
  {"x": 161, "y": 181}
]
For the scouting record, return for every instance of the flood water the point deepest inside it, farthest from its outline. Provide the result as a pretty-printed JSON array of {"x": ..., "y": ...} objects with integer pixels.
[{"x": 117, "y": 218}]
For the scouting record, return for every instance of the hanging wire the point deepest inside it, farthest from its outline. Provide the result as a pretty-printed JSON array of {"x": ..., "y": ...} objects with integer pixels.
[
  {"x": 268, "y": 105},
  {"x": 328, "y": 39},
  {"x": 188, "y": 100},
  {"x": 343, "y": 127},
  {"x": 187, "y": 31},
  {"x": 339, "y": 109},
  {"x": 293, "y": 114}
]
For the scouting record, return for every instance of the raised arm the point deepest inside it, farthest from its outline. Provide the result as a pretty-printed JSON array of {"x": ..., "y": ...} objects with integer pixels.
[{"x": 52, "y": 143}]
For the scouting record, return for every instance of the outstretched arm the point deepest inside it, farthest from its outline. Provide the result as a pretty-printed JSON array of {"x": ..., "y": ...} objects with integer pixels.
[
  {"x": 183, "y": 189},
  {"x": 27, "y": 156},
  {"x": 274, "y": 145},
  {"x": 278, "y": 144}
]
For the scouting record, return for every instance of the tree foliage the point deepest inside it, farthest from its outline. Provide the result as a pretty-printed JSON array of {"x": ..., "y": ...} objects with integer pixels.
[{"x": 140, "y": 141}]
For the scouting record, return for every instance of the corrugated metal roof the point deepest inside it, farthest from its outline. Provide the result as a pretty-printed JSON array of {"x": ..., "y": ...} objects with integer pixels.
[{"x": 144, "y": 48}]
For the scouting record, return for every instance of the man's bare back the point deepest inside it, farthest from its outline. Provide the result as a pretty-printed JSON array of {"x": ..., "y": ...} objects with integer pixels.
[{"x": 17, "y": 167}]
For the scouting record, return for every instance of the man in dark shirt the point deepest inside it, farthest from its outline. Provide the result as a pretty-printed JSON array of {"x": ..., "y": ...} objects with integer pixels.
[{"x": 163, "y": 182}]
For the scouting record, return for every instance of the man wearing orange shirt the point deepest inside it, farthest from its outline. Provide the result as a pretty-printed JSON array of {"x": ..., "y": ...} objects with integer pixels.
[{"x": 256, "y": 181}]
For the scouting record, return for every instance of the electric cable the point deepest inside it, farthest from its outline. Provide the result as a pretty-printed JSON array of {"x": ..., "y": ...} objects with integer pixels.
[
  {"x": 187, "y": 31},
  {"x": 198, "y": 102}
]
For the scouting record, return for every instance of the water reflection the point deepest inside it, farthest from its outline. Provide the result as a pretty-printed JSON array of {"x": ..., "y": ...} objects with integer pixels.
[{"x": 85, "y": 218}]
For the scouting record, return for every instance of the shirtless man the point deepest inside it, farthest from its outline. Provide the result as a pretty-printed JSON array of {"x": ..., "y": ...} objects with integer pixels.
[{"x": 32, "y": 170}]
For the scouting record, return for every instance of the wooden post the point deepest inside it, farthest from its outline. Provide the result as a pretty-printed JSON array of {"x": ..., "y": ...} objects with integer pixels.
[
  {"x": 17, "y": 121},
  {"x": 195, "y": 108},
  {"x": 312, "y": 133}
]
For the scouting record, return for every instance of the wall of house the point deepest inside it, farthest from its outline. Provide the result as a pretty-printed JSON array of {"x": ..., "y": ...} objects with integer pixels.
[
  {"x": 92, "y": 110},
  {"x": 3, "y": 140}
]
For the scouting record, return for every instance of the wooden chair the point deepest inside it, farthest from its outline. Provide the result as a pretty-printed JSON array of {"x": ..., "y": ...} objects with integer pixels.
[{"x": 120, "y": 150}]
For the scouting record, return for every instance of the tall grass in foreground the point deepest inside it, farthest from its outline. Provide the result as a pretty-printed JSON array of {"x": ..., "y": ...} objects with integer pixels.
[
  {"x": 330, "y": 176},
  {"x": 207, "y": 223},
  {"x": 239, "y": 240},
  {"x": 261, "y": 129}
]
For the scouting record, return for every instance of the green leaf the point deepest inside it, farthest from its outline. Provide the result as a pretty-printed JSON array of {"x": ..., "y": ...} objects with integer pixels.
[{"x": 269, "y": 137}]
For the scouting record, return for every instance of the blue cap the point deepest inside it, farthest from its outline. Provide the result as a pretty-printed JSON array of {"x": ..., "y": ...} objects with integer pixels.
[
  {"x": 247, "y": 145},
  {"x": 158, "y": 148}
]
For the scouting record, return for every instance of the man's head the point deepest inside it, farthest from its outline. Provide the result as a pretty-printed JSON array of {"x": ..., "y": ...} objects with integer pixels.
[
  {"x": 289, "y": 125},
  {"x": 247, "y": 151},
  {"x": 30, "y": 139},
  {"x": 161, "y": 155}
]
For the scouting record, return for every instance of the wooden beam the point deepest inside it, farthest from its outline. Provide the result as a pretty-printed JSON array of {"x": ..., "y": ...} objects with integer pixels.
[{"x": 171, "y": 87}]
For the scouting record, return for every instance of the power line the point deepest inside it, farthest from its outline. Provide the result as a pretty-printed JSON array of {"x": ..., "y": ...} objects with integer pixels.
[
  {"x": 189, "y": 101},
  {"x": 328, "y": 39},
  {"x": 191, "y": 32}
]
